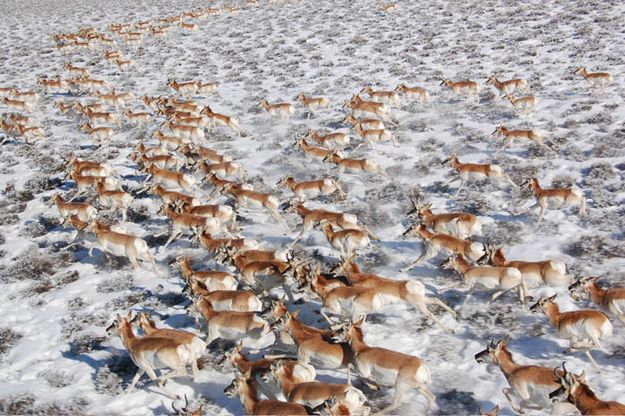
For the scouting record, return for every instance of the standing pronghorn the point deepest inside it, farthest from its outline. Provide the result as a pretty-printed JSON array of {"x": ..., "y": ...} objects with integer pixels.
[
  {"x": 594, "y": 79},
  {"x": 611, "y": 300},
  {"x": 535, "y": 273},
  {"x": 336, "y": 140},
  {"x": 576, "y": 391},
  {"x": 530, "y": 385},
  {"x": 311, "y": 189},
  {"x": 477, "y": 171},
  {"x": 500, "y": 278},
  {"x": 283, "y": 110},
  {"x": 392, "y": 291},
  {"x": 346, "y": 241},
  {"x": 522, "y": 105},
  {"x": 386, "y": 367},
  {"x": 414, "y": 93},
  {"x": 448, "y": 244},
  {"x": 352, "y": 165},
  {"x": 458, "y": 224},
  {"x": 557, "y": 196},
  {"x": 509, "y": 86},
  {"x": 576, "y": 326},
  {"x": 465, "y": 87},
  {"x": 313, "y": 104},
  {"x": 120, "y": 244},
  {"x": 195, "y": 345},
  {"x": 390, "y": 98},
  {"x": 150, "y": 353},
  {"x": 510, "y": 135},
  {"x": 114, "y": 199}
]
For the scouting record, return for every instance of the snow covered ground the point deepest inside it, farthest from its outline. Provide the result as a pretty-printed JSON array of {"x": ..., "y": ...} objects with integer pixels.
[{"x": 55, "y": 304}]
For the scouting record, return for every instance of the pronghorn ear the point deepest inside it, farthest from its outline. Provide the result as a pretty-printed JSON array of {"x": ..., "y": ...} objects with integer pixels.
[
  {"x": 360, "y": 321},
  {"x": 239, "y": 345},
  {"x": 581, "y": 378},
  {"x": 295, "y": 313},
  {"x": 129, "y": 316},
  {"x": 504, "y": 341},
  {"x": 552, "y": 298}
]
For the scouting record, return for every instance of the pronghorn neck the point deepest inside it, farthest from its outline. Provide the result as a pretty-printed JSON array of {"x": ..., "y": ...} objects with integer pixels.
[
  {"x": 427, "y": 215},
  {"x": 584, "y": 399},
  {"x": 498, "y": 84},
  {"x": 126, "y": 334},
  {"x": 285, "y": 380},
  {"x": 185, "y": 268},
  {"x": 552, "y": 310},
  {"x": 249, "y": 396},
  {"x": 425, "y": 233},
  {"x": 536, "y": 189},
  {"x": 241, "y": 361},
  {"x": 206, "y": 308},
  {"x": 328, "y": 231},
  {"x": 461, "y": 264},
  {"x": 356, "y": 340},
  {"x": 498, "y": 258},
  {"x": 504, "y": 130},
  {"x": 351, "y": 268},
  {"x": 596, "y": 293},
  {"x": 297, "y": 330},
  {"x": 506, "y": 363},
  {"x": 319, "y": 285},
  {"x": 455, "y": 163}
]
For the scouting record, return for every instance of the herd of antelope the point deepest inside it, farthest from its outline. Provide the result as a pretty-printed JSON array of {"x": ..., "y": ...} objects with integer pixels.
[{"x": 202, "y": 192}]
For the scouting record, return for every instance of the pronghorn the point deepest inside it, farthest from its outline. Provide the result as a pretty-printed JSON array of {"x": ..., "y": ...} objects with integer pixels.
[
  {"x": 314, "y": 393},
  {"x": 414, "y": 93},
  {"x": 376, "y": 136},
  {"x": 386, "y": 367},
  {"x": 166, "y": 161},
  {"x": 268, "y": 274},
  {"x": 190, "y": 120},
  {"x": 171, "y": 178},
  {"x": 510, "y": 135},
  {"x": 500, "y": 278},
  {"x": 576, "y": 326},
  {"x": 492, "y": 412},
  {"x": 22, "y": 119},
  {"x": 392, "y": 291},
  {"x": 183, "y": 131},
  {"x": 204, "y": 153},
  {"x": 386, "y": 97},
  {"x": 29, "y": 132},
  {"x": 120, "y": 244},
  {"x": 435, "y": 243},
  {"x": 184, "y": 105},
  {"x": 212, "y": 280},
  {"x": 509, "y": 86},
  {"x": 254, "y": 199},
  {"x": 314, "y": 152},
  {"x": 224, "y": 213},
  {"x": 172, "y": 142},
  {"x": 207, "y": 87},
  {"x": 113, "y": 98},
  {"x": 184, "y": 88},
  {"x": 233, "y": 300},
  {"x": 62, "y": 107},
  {"x": 241, "y": 258},
  {"x": 351, "y": 165},
  {"x": 223, "y": 169},
  {"x": 365, "y": 124},
  {"x": 189, "y": 26},
  {"x": 17, "y": 104},
  {"x": 535, "y": 273},
  {"x": 557, "y": 196},
  {"x": 80, "y": 226},
  {"x": 611, "y": 300},
  {"x": 114, "y": 199},
  {"x": 530, "y": 385},
  {"x": 313, "y": 103},
  {"x": 83, "y": 108},
  {"x": 172, "y": 197},
  {"x": 346, "y": 241},
  {"x": 282, "y": 110},
  {"x": 373, "y": 108},
  {"x": 224, "y": 185},
  {"x": 7, "y": 92},
  {"x": 245, "y": 387},
  {"x": 27, "y": 96},
  {"x": 477, "y": 171},
  {"x": 123, "y": 64},
  {"x": 465, "y": 87},
  {"x": 216, "y": 118},
  {"x": 195, "y": 223},
  {"x": 186, "y": 411},
  {"x": 112, "y": 55},
  {"x": 195, "y": 345},
  {"x": 522, "y": 104},
  {"x": 52, "y": 84},
  {"x": 89, "y": 83},
  {"x": 388, "y": 7},
  {"x": 137, "y": 118},
  {"x": 86, "y": 183},
  {"x": 101, "y": 117},
  {"x": 84, "y": 211},
  {"x": 332, "y": 140},
  {"x": 458, "y": 224},
  {"x": 213, "y": 245},
  {"x": 102, "y": 134},
  {"x": 600, "y": 79},
  {"x": 83, "y": 72},
  {"x": 150, "y": 353},
  {"x": 90, "y": 168},
  {"x": 575, "y": 390},
  {"x": 311, "y": 189},
  {"x": 230, "y": 325}
]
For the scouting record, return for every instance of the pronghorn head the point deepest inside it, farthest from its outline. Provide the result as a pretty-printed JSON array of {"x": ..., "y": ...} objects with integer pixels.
[
  {"x": 445, "y": 82},
  {"x": 285, "y": 181},
  {"x": 492, "y": 352},
  {"x": 579, "y": 71},
  {"x": 418, "y": 209},
  {"x": 569, "y": 382},
  {"x": 582, "y": 286},
  {"x": 231, "y": 354},
  {"x": 301, "y": 96},
  {"x": 449, "y": 263},
  {"x": 491, "y": 80},
  {"x": 413, "y": 230},
  {"x": 499, "y": 130},
  {"x": 334, "y": 157},
  {"x": 234, "y": 388},
  {"x": 450, "y": 160},
  {"x": 276, "y": 309},
  {"x": 401, "y": 87},
  {"x": 493, "y": 412},
  {"x": 542, "y": 304}
]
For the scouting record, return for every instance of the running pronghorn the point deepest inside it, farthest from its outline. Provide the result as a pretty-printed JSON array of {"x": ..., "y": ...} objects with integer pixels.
[
  {"x": 6, "y": 92},
  {"x": 535, "y": 273},
  {"x": 114, "y": 99},
  {"x": 151, "y": 353},
  {"x": 120, "y": 244},
  {"x": 83, "y": 210},
  {"x": 509, "y": 86},
  {"x": 352, "y": 165},
  {"x": 174, "y": 197},
  {"x": 312, "y": 189},
  {"x": 171, "y": 178},
  {"x": 114, "y": 199},
  {"x": 55, "y": 84},
  {"x": 392, "y": 291},
  {"x": 170, "y": 141},
  {"x": 414, "y": 93},
  {"x": 223, "y": 169},
  {"x": 458, "y": 224},
  {"x": 465, "y": 87},
  {"x": 137, "y": 118},
  {"x": 101, "y": 134},
  {"x": 575, "y": 390},
  {"x": 268, "y": 274},
  {"x": 31, "y": 97},
  {"x": 183, "y": 131},
  {"x": 313, "y": 104},
  {"x": 371, "y": 108},
  {"x": 83, "y": 72},
  {"x": 245, "y": 388},
  {"x": 314, "y": 152},
  {"x": 346, "y": 241},
  {"x": 509, "y": 135},
  {"x": 522, "y": 105},
  {"x": 594, "y": 79},
  {"x": 530, "y": 385},
  {"x": 388, "y": 7},
  {"x": 611, "y": 300},
  {"x": 213, "y": 245},
  {"x": 91, "y": 168},
  {"x": 230, "y": 325},
  {"x": 375, "y": 136},
  {"x": 86, "y": 183},
  {"x": 123, "y": 64},
  {"x": 224, "y": 213},
  {"x": 226, "y": 300},
  {"x": 477, "y": 171},
  {"x": 390, "y": 98},
  {"x": 224, "y": 186},
  {"x": 364, "y": 123},
  {"x": 29, "y": 133},
  {"x": 184, "y": 88},
  {"x": 196, "y": 346},
  {"x": 254, "y": 199},
  {"x": 336, "y": 140},
  {"x": 576, "y": 326},
  {"x": 436, "y": 243},
  {"x": 314, "y": 393},
  {"x": 194, "y": 223},
  {"x": 557, "y": 196},
  {"x": 282, "y": 110},
  {"x": 102, "y": 117},
  {"x": 216, "y": 118},
  {"x": 189, "y": 26},
  {"x": 386, "y": 367},
  {"x": 212, "y": 280},
  {"x": 206, "y": 154},
  {"x": 501, "y": 279},
  {"x": 19, "y": 105}
]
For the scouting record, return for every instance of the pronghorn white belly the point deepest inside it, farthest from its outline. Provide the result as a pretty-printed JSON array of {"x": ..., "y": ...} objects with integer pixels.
[
  {"x": 114, "y": 249},
  {"x": 577, "y": 330},
  {"x": 319, "y": 359},
  {"x": 488, "y": 282},
  {"x": 308, "y": 193},
  {"x": 228, "y": 283},
  {"x": 383, "y": 375}
]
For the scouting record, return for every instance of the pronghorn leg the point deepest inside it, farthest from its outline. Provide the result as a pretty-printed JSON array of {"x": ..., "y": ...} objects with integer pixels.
[
  {"x": 172, "y": 237},
  {"x": 326, "y": 317},
  {"x": 400, "y": 388},
  {"x": 462, "y": 182},
  {"x": 436, "y": 301},
  {"x": 384, "y": 173},
  {"x": 509, "y": 180},
  {"x": 512, "y": 400},
  {"x": 541, "y": 214},
  {"x": 289, "y": 292},
  {"x": 424, "y": 310},
  {"x": 136, "y": 378},
  {"x": 592, "y": 360},
  {"x": 429, "y": 397},
  {"x": 133, "y": 261},
  {"x": 466, "y": 299},
  {"x": 426, "y": 255}
]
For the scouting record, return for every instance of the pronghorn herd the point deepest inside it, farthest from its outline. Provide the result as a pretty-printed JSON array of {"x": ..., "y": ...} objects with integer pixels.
[{"x": 201, "y": 193}]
